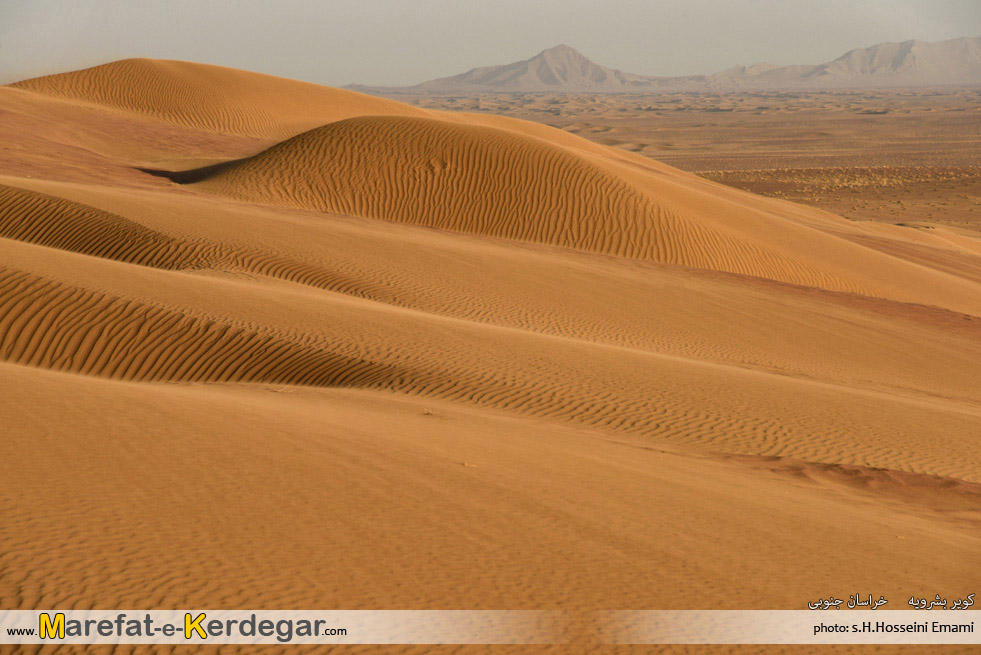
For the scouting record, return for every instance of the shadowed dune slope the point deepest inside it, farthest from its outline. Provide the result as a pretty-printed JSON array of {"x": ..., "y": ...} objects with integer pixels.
[
  {"x": 62, "y": 224},
  {"x": 212, "y": 98},
  {"x": 51, "y": 325},
  {"x": 497, "y": 182},
  {"x": 57, "y": 223}
]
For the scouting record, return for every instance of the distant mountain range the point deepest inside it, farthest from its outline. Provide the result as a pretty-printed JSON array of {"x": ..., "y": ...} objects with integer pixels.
[{"x": 565, "y": 70}]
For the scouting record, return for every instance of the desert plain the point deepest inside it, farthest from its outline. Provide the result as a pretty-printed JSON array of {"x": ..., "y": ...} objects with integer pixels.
[{"x": 271, "y": 345}]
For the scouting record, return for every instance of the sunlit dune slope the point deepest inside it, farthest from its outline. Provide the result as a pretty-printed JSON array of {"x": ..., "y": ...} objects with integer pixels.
[
  {"x": 497, "y": 182},
  {"x": 212, "y": 98}
]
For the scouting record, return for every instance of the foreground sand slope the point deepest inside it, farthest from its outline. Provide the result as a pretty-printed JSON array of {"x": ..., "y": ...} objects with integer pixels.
[
  {"x": 247, "y": 391},
  {"x": 342, "y": 498}
]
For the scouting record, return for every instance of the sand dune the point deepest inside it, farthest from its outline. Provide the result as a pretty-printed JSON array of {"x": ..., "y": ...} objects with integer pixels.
[
  {"x": 678, "y": 386},
  {"x": 211, "y": 98},
  {"x": 63, "y": 328},
  {"x": 599, "y": 383},
  {"x": 57, "y": 223},
  {"x": 492, "y": 181}
]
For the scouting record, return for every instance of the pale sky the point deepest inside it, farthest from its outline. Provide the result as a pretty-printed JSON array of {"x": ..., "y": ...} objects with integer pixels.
[{"x": 387, "y": 42}]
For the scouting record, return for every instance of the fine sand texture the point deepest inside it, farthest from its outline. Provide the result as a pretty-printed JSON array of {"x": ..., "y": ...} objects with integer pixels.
[{"x": 269, "y": 345}]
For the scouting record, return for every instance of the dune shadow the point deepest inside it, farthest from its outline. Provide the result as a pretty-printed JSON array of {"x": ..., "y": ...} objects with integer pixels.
[{"x": 192, "y": 175}]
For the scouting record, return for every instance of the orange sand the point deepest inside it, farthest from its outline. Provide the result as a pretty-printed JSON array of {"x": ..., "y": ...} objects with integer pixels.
[{"x": 599, "y": 383}]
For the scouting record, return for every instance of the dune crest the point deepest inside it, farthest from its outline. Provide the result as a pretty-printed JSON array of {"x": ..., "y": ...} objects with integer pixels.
[{"x": 211, "y": 98}]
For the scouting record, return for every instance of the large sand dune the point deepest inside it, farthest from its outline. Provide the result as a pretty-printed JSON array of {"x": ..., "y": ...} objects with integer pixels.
[
  {"x": 601, "y": 383},
  {"x": 211, "y": 98},
  {"x": 493, "y": 181}
]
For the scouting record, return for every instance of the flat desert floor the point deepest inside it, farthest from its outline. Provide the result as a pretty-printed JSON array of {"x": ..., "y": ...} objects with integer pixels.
[{"x": 269, "y": 345}]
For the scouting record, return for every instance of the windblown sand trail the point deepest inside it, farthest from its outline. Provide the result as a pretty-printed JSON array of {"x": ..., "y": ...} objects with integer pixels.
[{"x": 270, "y": 345}]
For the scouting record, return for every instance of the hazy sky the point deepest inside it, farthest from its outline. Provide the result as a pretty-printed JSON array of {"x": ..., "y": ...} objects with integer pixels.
[{"x": 389, "y": 42}]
